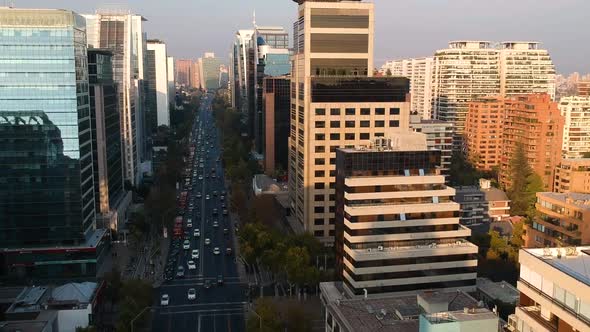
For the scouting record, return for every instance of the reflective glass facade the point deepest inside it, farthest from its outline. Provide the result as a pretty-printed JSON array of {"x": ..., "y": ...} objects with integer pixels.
[{"x": 46, "y": 177}]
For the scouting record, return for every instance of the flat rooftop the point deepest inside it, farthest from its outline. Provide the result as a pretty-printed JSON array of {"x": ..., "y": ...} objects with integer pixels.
[
  {"x": 429, "y": 244},
  {"x": 385, "y": 313},
  {"x": 501, "y": 291},
  {"x": 577, "y": 199},
  {"x": 461, "y": 316},
  {"x": 574, "y": 261}
]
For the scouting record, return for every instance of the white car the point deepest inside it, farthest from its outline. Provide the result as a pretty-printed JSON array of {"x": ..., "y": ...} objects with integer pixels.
[
  {"x": 195, "y": 254},
  {"x": 196, "y": 233},
  {"x": 207, "y": 197},
  {"x": 189, "y": 223},
  {"x": 192, "y": 294},
  {"x": 186, "y": 245},
  {"x": 200, "y": 177},
  {"x": 164, "y": 300},
  {"x": 216, "y": 251},
  {"x": 192, "y": 265},
  {"x": 207, "y": 241},
  {"x": 215, "y": 224}
]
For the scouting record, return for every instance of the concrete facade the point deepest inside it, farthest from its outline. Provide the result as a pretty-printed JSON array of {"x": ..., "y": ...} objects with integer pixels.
[
  {"x": 576, "y": 129},
  {"x": 573, "y": 175}
]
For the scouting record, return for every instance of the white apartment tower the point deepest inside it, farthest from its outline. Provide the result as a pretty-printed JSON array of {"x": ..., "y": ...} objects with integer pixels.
[
  {"x": 171, "y": 80},
  {"x": 158, "y": 89},
  {"x": 239, "y": 69},
  {"x": 576, "y": 129},
  {"x": 465, "y": 71},
  {"x": 122, "y": 33},
  {"x": 335, "y": 103},
  {"x": 419, "y": 71},
  {"x": 397, "y": 226}
]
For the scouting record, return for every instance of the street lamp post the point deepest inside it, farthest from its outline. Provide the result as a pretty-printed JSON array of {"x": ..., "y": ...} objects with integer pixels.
[{"x": 136, "y": 317}]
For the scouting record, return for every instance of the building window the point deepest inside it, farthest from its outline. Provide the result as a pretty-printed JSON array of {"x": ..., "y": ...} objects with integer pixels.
[
  {"x": 365, "y": 124},
  {"x": 333, "y": 148},
  {"x": 379, "y": 124},
  {"x": 318, "y": 233},
  {"x": 350, "y": 111},
  {"x": 394, "y": 123},
  {"x": 332, "y": 162},
  {"x": 365, "y": 111},
  {"x": 379, "y": 134},
  {"x": 332, "y": 221},
  {"x": 334, "y": 124},
  {"x": 320, "y": 174},
  {"x": 380, "y": 111},
  {"x": 333, "y": 173},
  {"x": 332, "y": 197},
  {"x": 320, "y": 124},
  {"x": 320, "y": 111},
  {"x": 318, "y": 198},
  {"x": 320, "y": 137},
  {"x": 320, "y": 149},
  {"x": 349, "y": 136},
  {"x": 332, "y": 232},
  {"x": 320, "y": 161},
  {"x": 318, "y": 221},
  {"x": 394, "y": 111},
  {"x": 335, "y": 136},
  {"x": 318, "y": 209},
  {"x": 319, "y": 185},
  {"x": 365, "y": 136},
  {"x": 334, "y": 111}
]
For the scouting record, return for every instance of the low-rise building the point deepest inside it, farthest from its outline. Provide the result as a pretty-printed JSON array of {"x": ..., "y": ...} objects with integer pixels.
[
  {"x": 561, "y": 220},
  {"x": 573, "y": 175},
  {"x": 498, "y": 202},
  {"x": 474, "y": 207},
  {"x": 500, "y": 295},
  {"x": 422, "y": 312},
  {"x": 554, "y": 287}
]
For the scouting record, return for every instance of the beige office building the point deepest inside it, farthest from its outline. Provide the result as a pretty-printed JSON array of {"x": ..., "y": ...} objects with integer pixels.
[
  {"x": 335, "y": 103},
  {"x": 576, "y": 129},
  {"x": 554, "y": 287}
]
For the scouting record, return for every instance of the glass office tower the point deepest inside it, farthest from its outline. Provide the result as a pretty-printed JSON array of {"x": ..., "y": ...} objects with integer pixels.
[{"x": 46, "y": 177}]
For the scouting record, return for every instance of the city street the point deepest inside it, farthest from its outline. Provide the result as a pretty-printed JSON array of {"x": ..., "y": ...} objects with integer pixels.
[{"x": 220, "y": 298}]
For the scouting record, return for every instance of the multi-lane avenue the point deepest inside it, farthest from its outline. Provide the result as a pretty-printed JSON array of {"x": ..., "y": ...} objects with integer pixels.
[{"x": 211, "y": 273}]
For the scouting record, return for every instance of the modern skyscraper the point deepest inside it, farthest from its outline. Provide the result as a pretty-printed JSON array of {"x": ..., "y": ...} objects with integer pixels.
[
  {"x": 335, "y": 103},
  {"x": 184, "y": 72},
  {"x": 111, "y": 200},
  {"x": 554, "y": 287},
  {"x": 419, "y": 71},
  {"x": 276, "y": 101},
  {"x": 122, "y": 33},
  {"x": 561, "y": 220},
  {"x": 535, "y": 122},
  {"x": 239, "y": 69},
  {"x": 483, "y": 132},
  {"x": 397, "y": 227},
  {"x": 572, "y": 175},
  {"x": 47, "y": 206},
  {"x": 576, "y": 129},
  {"x": 157, "y": 85},
  {"x": 210, "y": 68},
  {"x": 171, "y": 81},
  {"x": 465, "y": 71}
]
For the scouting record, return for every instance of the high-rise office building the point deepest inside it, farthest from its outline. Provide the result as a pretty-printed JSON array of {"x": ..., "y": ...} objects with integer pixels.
[
  {"x": 183, "y": 72},
  {"x": 196, "y": 74},
  {"x": 239, "y": 69},
  {"x": 419, "y": 71},
  {"x": 47, "y": 206},
  {"x": 122, "y": 33},
  {"x": 466, "y": 70},
  {"x": 334, "y": 103},
  {"x": 483, "y": 132},
  {"x": 271, "y": 59},
  {"x": 535, "y": 122},
  {"x": 554, "y": 286},
  {"x": 111, "y": 200},
  {"x": 171, "y": 81},
  {"x": 210, "y": 70},
  {"x": 276, "y": 100},
  {"x": 439, "y": 135},
  {"x": 576, "y": 129},
  {"x": 157, "y": 85},
  {"x": 397, "y": 227},
  {"x": 572, "y": 175},
  {"x": 561, "y": 220}
]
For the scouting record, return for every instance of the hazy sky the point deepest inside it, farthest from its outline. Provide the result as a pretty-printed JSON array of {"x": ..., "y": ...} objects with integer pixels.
[{"x": 408, "y": 28}]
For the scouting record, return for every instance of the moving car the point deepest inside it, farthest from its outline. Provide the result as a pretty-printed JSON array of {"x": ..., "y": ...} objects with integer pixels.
[
  {"x": 189, "y": 223},
  {"x": 196, "y": 233},
  {"x": 192, "y": 294},
  {"x": 207, "y": 197},
  {"x": 220, "y": 280},
  {"x": 164, "y": 300},
  {"x": 192, "y": 265},
  {"x": 195, "y": 254},
  {"x": 216, "y": 251},
  {"x": 207, "y": 284},
  {"x": 215, "y": 223},
  {"x": 186, "y": 245},
  {"x": 207, "y": 241},
  {"x": 180, "y": 272},
  {"x": 228, "y": 251}
]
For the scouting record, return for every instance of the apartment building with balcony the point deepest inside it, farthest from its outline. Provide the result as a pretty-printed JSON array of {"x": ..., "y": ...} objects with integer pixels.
[
  {"x": 576, "y": 130},
  {"x": 335, "y": 103},
  {"x": 583, "y": 88},
  {"x": 573, "y": 175},
  {"x": 483, "y": 132},
  {"x": 397, "y": 227},
  {"x": 554, "y": 287},
  {"x": 561, "y": 220},
  {"x": 439, "y": 135},
  {"x": 535, "y": 122},
  {"x": 419, "y": 71}
]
